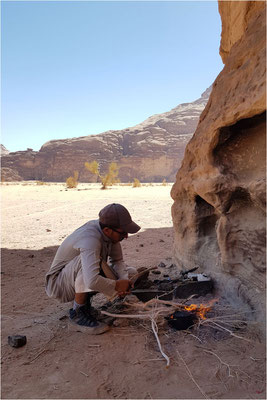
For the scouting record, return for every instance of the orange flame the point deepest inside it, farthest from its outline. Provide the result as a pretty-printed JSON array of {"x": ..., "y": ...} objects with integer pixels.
[{"x": 202, "y": 309}]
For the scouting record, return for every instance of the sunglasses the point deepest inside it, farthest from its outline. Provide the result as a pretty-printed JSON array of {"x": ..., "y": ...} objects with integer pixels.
[{"x": 123, "y": 234}]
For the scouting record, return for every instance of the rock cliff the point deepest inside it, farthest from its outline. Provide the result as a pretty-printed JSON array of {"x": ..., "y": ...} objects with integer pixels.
[
  {"x": 150, "y": 151},
  {"x": 4, "y": 150},
  {"x": 219, "y": 193}
]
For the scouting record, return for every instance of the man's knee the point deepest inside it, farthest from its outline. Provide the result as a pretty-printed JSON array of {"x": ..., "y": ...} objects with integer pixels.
[{"x": 131, "y": 271}]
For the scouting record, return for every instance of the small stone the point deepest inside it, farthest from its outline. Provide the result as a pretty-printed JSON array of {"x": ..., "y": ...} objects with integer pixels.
[
  {"x": 141, "y": 245},
  {"x": 161, "y": 240},
  {"x": 156, "y": 272},
  {"x": 48, "y": 230},
  {"x": 162, "y": 265},
  {"x": 17, "y": 340},
  {"x": 166, "y": 276}
]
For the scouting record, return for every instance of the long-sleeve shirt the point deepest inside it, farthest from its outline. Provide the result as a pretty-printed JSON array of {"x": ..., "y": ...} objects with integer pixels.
[{"x": 94, "y": 246}]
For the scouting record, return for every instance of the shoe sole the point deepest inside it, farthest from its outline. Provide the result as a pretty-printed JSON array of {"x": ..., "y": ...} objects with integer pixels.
[{"x": 96, "y": 330}]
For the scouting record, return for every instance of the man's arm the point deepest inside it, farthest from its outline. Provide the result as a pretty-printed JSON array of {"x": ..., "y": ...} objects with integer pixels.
[
  {"x": 117, "y": 262},
  {"x": 90, "y": 260}
]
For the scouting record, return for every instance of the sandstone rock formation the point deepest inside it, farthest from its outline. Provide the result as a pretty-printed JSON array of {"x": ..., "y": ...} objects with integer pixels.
[
  {"x": 9, "y": 175},
  {"x": 150, "y": 151},
  {"x": 4, "y": 150},
  {"x": 219, "y": 193}
]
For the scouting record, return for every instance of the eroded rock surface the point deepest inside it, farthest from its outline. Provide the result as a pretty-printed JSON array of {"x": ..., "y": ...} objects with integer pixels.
[
  {"x": 219, "y": 194},
  {"x": 9, "y": 175},
  {"x": 151, "y": 151},
  {"x": 3, "y": 150}
]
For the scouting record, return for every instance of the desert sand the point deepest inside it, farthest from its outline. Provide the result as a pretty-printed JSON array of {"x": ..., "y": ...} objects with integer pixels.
[{"x": 61, "y": 363}]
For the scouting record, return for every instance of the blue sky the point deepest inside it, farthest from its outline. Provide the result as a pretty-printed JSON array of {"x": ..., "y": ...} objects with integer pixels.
[{"x": 72, "y": 69}]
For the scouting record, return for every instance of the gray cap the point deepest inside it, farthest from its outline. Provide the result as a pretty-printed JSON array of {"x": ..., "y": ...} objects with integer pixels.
[{"x": 117, "y": 216}]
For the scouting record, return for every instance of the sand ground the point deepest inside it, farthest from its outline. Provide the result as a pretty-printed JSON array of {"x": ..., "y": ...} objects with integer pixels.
[{"x": 125, "y": 363}]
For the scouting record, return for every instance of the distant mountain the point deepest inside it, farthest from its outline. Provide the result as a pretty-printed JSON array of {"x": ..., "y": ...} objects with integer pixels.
[{"x": 150, "y": 151}]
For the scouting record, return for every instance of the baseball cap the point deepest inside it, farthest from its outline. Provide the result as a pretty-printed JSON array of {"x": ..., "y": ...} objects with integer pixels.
[{"x": 117, "y": 216}]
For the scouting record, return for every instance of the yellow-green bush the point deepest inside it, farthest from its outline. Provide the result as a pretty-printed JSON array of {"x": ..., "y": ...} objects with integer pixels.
[
  {"x": 72, "y": 181},
  {"x": 110, "y": 178},
  {"x": 136, "y": 183}
]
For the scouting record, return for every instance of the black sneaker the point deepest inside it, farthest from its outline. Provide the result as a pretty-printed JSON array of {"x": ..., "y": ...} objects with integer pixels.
[
  {"x": 85, "y": 322},
  {"x": 92, "y": 310}
]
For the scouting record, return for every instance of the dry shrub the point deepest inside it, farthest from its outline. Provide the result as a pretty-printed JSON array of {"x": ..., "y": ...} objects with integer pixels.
[
  {"x": 136, "y": 183},
  {"x": 72, "y": 181},
  {"x": 92, "y": 167},
  {"x": 108, "y": 179}
]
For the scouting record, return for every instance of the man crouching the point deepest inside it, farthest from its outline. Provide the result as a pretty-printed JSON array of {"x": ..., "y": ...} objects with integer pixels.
[{"x": 80, "y": 270}]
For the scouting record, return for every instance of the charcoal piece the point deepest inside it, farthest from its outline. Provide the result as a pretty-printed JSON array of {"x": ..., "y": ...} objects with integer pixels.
[
  {"x": 17, "y": 340},
  {"x": 189, "y": 270},
  {"x": 181, "y": 320},
  {"x": 166, "y": 276},
  {"x": 156, "y": 272},
  {"x": 167, "y": 286},
  {"x": 144, "y": 284},
  {"x": 186, "y": 289}
]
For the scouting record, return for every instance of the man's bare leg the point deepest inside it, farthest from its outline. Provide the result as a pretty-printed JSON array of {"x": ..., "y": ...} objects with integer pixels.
[{"x": 80, "y": 298}]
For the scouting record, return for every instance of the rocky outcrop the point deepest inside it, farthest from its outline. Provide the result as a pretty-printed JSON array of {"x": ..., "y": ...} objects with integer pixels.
[
  {"x": 9, "y": 175},
  {"x": 219, "y": 193},
  {"x": 3, "y": 150},
  {"x": 150, "y": 151}
]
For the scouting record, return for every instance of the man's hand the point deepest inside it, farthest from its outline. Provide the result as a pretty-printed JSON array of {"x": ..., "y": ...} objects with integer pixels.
[{"x": 123, "y": 286}]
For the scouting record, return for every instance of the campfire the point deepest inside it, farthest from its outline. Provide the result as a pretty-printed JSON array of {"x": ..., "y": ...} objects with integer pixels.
[
  {"x": 180, "y": 316},
  {"x": 187, "y": 316}
]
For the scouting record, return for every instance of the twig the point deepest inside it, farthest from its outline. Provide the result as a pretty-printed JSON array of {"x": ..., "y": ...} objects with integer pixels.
[
  {"x": 188, "y": 298},
  {"x": 133, "y": 279},
  {"x": 166, "y": 302},
  {"x": 149, "y": 359},
  {"x": 257, "y": 359},
  {"x": 42, "y": 351},
  {"x": 83, "y": 373},
  {"x": 233, "y": 334},
  {"x": 152, "y": 315},
  {"x": 191, "y": 334},
  {"x": 141, "y": 316},
  {"x": 191, "y": 376},
  {"x": 155, "y": 329},
  {"x": 222, "y": 362}
]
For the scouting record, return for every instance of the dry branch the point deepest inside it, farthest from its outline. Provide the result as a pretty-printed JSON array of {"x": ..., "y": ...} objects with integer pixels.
[
  {"x": 221, "y": 361},
  {"x": 191, "y": 376}
]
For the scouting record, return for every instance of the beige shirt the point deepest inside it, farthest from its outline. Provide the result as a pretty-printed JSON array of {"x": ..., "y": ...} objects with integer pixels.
[{"x": 94, "y": 246}]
